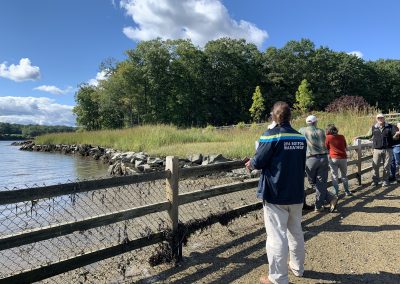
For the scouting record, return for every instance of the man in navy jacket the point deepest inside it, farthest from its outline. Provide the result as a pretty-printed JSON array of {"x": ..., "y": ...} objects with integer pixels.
[{"x": 281, "y": 155}]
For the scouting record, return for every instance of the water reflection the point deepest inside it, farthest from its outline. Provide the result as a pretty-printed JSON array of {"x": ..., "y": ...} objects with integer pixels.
[{"x": 21, "y": 168}]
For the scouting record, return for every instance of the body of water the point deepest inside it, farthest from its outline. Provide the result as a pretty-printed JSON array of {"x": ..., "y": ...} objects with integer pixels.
[{"x": 23, "y": 169}]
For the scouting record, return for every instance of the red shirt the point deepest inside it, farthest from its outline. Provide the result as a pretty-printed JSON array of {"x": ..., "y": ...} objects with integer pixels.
[{"x": 336, "y": 145}]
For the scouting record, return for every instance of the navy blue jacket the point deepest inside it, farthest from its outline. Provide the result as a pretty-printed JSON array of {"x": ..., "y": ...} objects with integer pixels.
[{"x": 281, "y": 155}]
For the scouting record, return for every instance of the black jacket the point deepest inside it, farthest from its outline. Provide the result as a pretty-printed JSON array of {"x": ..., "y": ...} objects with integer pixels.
[{"x": 382, "y": 138}]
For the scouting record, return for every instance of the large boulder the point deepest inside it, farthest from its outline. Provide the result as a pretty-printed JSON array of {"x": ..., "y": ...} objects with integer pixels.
[
  {"x": 155, "y": 162},
  {"x": 128, "y": 157},
  {"x": 139, "y": 163},
  {"x": 115, "y": 157},
  {"x": 141, "y": 156},
  {"x": 196, "y": 158},
  {"x": 214, "y": 159}
]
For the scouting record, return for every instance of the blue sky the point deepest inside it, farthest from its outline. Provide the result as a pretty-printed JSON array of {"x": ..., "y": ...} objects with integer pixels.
[{"x": 49, "y": 47}]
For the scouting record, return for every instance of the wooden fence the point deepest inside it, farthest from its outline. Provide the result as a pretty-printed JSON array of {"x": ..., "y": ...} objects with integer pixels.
[{"x": 173, "y": 175}]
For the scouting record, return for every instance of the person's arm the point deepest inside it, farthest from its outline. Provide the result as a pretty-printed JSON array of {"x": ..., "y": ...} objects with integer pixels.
[
  {"x": 327, "y": 143},
  {"x": 263, "y": 153},
  {"x": 368, "y": 136},
  {"x": 395, "y": 132}
]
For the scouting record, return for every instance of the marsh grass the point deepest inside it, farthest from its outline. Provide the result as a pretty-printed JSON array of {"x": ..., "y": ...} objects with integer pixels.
[{"x": 164, "y": 140}]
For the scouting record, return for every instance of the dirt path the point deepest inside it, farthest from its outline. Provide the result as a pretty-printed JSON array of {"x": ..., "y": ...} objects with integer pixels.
[{"x": 358, "y": 244}]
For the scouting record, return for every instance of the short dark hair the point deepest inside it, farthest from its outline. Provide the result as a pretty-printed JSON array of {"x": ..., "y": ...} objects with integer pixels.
[
  {"x": 281, "y": 112},
  {"x": 331, "y": 129}
]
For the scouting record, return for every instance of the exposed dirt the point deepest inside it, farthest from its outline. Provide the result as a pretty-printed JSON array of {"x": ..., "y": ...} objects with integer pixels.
[{"x": 360, "y": 243}]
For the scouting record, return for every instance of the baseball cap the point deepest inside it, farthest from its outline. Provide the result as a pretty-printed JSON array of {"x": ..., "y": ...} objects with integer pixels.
[
  {"x": 379, "y": 115},
  {"x": 311, "y": 119}
]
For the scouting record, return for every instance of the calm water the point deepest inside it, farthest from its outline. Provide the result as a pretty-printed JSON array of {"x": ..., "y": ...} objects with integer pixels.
[{"x": 22, "y": 168}]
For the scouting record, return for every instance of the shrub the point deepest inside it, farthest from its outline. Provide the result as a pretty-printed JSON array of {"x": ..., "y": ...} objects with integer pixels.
[
  {"x": 304, "y": 97},
  {"x": 258, "y": 107},
  {"x": 344, "y": 103},
  {"x": 241, "y": 125},
  {"x": 209, "y": 128}
]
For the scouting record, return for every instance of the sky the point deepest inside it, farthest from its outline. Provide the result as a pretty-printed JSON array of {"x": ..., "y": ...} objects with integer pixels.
[{"x": 49, "y": 47}]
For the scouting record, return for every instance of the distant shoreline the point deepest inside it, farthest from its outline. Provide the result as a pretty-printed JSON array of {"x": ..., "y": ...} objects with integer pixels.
[{"x": 13, "y": 139}]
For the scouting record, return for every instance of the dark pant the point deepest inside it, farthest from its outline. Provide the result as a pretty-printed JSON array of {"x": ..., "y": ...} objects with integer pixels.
[
  {"x": 317, "y": 168},
  {"x": 395, "y": 161}
]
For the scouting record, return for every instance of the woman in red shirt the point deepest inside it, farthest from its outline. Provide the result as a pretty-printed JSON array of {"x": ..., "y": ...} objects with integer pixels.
[{"x": 336, "y": 145}]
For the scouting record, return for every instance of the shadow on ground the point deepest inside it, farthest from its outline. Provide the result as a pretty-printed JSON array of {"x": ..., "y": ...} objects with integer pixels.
[
  {"x": 210, "y": 262},
  {"x": 370, "y": 278}
]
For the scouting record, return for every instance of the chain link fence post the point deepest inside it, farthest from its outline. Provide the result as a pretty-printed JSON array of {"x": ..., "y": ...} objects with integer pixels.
[{"x": 172, "y": 192}]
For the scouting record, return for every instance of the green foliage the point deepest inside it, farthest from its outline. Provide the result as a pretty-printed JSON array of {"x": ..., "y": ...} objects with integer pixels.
[
  {"x": 304, "y": 97},
  {"x": 257, "y": 108},
  {"x": 87, "y": 107},
  {"x": 254, "y": 126},
  {"x": 173, "y": 81},
  {"x": 241, "y": 125},
  {"x": 209, "y": 128}
]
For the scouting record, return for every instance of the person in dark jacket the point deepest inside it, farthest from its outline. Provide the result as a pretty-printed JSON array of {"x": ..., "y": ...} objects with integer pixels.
[
  {"x": 281, "y": 155},
  {"x": 382, "y": 139}
]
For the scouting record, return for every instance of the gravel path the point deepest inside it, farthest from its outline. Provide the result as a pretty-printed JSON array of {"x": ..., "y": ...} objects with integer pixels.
[{"x": 360, "y": 243}]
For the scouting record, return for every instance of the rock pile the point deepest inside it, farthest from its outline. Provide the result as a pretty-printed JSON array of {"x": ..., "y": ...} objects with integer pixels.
[{"x": 123, "y": 163}]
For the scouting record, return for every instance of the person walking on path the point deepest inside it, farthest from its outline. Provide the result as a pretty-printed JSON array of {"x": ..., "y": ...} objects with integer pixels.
[
  {"x": 336, "y": 145},
  {"x": 382, "y": 139},
  {"x": 317, "y": 164},
  {"x": 281, "y": 156}
]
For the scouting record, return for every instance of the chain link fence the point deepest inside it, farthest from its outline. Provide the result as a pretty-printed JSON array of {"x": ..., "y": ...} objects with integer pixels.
[
  {"x": 216, "y": 205},
  {"x": 39, "y": 214}
]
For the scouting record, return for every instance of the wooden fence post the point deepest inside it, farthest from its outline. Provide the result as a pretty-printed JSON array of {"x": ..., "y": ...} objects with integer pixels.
[
  {"x": 359, "y": 161},
  {"x": 172, "y": 192}
]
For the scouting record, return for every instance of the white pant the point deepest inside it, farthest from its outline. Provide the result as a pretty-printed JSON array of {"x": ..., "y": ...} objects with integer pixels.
[{"x": 284, "y": 235}]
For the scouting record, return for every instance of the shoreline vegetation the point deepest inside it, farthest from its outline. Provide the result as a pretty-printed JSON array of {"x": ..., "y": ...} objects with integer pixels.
[
  {"x": 165, "y": 140},
  {"x": 13, "y": 137}
]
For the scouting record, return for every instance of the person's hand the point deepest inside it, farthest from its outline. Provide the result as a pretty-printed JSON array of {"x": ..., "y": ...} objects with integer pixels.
[{"x": 248, "y": 164}]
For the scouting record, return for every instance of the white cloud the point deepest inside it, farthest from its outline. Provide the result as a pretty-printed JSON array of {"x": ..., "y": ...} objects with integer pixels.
[
  {"x": 54, "y": 90},
  {"x": 356, "y": 53},
  {"x": 23, "y": 71},
  {"x": 199, "y": 20},
  {"x": 30, "y": 110},
  {"x": 102, "y": 75}
]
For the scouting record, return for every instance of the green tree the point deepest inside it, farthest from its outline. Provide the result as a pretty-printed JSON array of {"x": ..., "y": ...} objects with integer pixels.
[
  {"x": 87, "y": 107},
  {"x": 234, "y": 71},
  {"x": 304, "y": 97},
  {"x": 257, "y": 108}
]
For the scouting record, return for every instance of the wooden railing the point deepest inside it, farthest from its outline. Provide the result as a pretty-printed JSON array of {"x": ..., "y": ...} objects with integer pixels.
[{"x": 172, "y": 175}]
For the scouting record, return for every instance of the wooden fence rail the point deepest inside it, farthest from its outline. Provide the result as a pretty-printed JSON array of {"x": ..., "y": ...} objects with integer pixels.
[{"x": 173, "y": 200}]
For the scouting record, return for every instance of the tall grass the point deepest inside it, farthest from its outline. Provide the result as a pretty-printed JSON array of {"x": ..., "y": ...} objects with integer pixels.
[{"x": 164, "y": 140}]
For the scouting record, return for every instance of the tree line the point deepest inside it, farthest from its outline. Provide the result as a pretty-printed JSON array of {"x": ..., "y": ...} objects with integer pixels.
[
  {"x": 19, "y": 131},
  {"x": 173, "y": 81}
]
